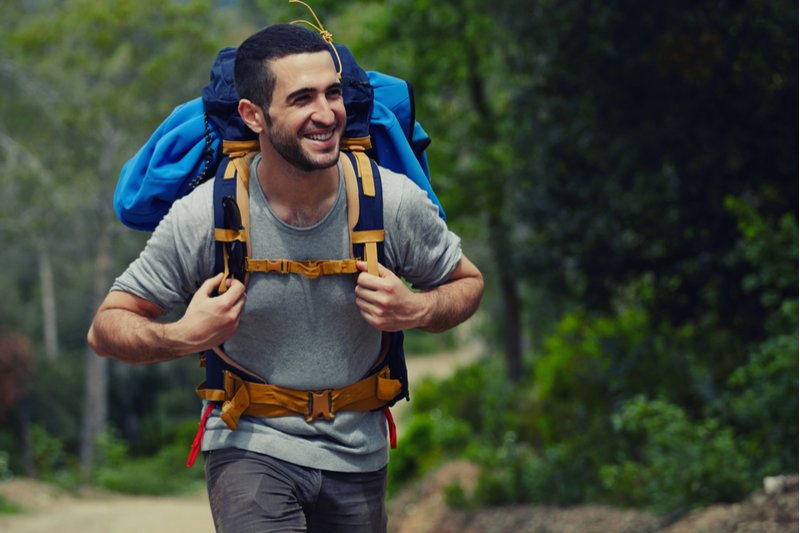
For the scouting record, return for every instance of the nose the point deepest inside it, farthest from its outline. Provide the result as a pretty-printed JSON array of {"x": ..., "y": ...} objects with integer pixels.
[{"x": 324, "y": 112}]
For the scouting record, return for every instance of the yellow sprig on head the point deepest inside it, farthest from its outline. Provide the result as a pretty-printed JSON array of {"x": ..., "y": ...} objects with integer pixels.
[{"x": 325, "y": 34}]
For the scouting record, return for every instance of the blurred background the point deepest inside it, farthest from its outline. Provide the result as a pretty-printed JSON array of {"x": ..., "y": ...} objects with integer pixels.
[{"x": 624, "y": 173}]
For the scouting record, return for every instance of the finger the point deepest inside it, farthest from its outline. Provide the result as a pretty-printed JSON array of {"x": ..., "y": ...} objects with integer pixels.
[
  {"x": 363, "y": 299},
  {"x": 236, "y": 291},
  {"x": 210, "y": 285},
  {"x": 367, "y": 314},
  {"x": 363, "y": 266},
  {"x": 368, "y": 281}
]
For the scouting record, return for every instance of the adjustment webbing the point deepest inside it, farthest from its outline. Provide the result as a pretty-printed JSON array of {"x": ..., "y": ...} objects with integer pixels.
[
  {"x": 352, "y": 144},
  {"x": 235, "y": 177},
  {"x": 311, "y": 269},
  {"x": 241, "y": 397},
  {"x": 229, "y": 235},
  {"x": 368, "y": 238},
  {"x": 365, "y": 173},
  {"x": 239, "y": 148}
]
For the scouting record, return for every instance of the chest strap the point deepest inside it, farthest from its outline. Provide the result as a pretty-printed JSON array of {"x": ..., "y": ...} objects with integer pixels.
[
  {"x": 240, "y": 397},
  {"x": 311, "y": 269}
]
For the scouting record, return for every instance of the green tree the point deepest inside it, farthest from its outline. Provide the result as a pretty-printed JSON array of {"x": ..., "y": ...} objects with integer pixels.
[{"x": 98, "y": 78}]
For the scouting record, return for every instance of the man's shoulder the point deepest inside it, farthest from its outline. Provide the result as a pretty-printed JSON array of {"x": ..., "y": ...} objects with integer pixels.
[
  {"x": 400, "y": 193},
  {"x": 396, "y": 185},
  {"x": 195, "y": 207}
]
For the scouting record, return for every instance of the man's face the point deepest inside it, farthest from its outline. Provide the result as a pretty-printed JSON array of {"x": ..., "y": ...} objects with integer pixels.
[{"x": 307, "y": 116}]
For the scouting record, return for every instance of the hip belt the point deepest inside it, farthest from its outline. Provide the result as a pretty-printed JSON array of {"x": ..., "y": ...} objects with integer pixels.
[{"x": 241, "y": 397}]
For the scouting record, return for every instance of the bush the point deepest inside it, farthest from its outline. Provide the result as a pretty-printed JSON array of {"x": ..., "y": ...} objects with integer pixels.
[
  {"x": 162, "y": 474},
  {"x": 671, "y": 463},
  {"x": 767, "y": 387},
  {"x": 7, "y": 507},
  {"x": 430, "y": 439},
  {"x": 418, "y": 342}
]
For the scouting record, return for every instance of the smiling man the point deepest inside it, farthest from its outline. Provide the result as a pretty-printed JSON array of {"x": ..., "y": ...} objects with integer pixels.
[{"x": 289, "y": 473}]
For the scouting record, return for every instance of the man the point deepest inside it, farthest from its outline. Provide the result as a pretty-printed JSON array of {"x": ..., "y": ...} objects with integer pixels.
[{"x": 284, "y": 473}]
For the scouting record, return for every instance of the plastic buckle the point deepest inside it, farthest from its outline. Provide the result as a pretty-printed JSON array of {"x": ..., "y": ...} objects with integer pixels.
[{"x": 319, "y": 406}]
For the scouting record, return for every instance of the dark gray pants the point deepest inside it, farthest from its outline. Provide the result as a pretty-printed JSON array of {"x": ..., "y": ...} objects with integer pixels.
[{"x": 251, "y": 492}]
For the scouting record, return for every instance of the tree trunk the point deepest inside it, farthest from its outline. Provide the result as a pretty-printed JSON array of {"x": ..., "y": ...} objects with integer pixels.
[
  {"x": 49, "y": 315},
  {"x": 25, "y": 440},
  {"x": 511, "y": 326},
  {"x": 95, "y": 403}
]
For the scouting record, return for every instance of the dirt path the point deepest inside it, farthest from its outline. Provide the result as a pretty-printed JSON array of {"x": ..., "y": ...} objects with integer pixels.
[{"x": 49, "y": 511}]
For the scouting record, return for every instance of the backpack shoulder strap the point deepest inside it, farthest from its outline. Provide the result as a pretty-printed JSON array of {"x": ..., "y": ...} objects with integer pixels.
[
  {"x": 232, "y": 210},
  {"x": 364, "y": 208}
]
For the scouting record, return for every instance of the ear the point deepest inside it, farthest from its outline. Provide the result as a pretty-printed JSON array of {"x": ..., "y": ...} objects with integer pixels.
[{"x": 252, "y": 115}]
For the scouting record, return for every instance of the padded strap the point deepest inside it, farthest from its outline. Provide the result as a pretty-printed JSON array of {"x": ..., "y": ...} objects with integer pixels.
[
  {"x": 351, "y": 190},
  {"x": 365, "y": 208},
  {"x": 365, "y": 173}
]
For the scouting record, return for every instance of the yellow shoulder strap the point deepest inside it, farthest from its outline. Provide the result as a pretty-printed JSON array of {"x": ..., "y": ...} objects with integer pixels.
[
  {"x": 368, "y": 238},
  {"x": 240, "y": 155}
]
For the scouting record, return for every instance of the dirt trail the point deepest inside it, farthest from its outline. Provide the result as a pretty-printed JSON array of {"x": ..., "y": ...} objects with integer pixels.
[
  {"x": 50, "y": 510},
  {"x": 93, "y": 512}
]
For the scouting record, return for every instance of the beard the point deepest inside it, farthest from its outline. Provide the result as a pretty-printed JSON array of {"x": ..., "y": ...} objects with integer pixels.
[{"x": 288, "y": 146}]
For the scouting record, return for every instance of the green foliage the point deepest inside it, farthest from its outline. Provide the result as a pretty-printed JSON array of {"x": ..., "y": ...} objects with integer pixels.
[
  {"x": 161, "y": 474},
  {"x": 417, "y": 342},
  {"x": 47, "y": 452},
  {"x": 429, "y": 439},
  {"x": 579, "y": 427},
  {"x": 476, "y": 394},
  {"x": 456, "y": 498},
  {"x": 668, "y": 462},
  {"x": 7, "y": 507},
  {"x": 760, "y": 402},
  {"x": 5, "y": 472}
]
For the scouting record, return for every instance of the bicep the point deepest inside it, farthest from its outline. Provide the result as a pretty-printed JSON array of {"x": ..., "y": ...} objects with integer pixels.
[
  {"x": 126, "y": 301},
  {"x": 465, "y": 269}
]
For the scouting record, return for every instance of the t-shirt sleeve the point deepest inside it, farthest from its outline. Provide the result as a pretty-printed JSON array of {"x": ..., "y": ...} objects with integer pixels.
[
  {"x": 419, "y": 246},
  {"x": 179, "y": 255}
]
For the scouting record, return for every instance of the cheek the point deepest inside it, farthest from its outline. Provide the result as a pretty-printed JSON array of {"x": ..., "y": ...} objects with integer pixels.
[{"x": 340, "y": 112}]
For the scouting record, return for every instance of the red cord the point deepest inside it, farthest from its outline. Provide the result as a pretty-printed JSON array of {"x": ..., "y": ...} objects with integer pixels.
[
  {"x": 392, "y": 427},
  {"x": 198, "y": 439}
]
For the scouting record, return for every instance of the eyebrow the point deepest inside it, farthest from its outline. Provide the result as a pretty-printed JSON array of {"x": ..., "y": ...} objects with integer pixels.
[{"x": 305, "y": 90}]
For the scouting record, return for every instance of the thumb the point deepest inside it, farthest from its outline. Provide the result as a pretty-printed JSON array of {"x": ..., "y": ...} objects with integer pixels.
[
  {"x": 210, "y": 285},
  {"x": 363, "y": 266}
]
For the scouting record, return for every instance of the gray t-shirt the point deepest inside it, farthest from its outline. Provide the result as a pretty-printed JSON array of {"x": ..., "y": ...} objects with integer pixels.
[{"x": 297, "y": 332}]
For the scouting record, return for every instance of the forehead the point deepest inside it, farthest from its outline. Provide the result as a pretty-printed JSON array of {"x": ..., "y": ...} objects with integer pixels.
[{"x": 299, "y": 71}]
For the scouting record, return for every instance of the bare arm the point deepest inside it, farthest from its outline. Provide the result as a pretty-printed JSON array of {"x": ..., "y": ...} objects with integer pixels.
[
  {"x": 387, "y": 304},
  {"x": 127, "y": 327}
]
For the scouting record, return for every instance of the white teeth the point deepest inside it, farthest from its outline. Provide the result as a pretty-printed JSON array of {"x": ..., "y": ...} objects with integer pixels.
[{"x": 320, "y": 136}]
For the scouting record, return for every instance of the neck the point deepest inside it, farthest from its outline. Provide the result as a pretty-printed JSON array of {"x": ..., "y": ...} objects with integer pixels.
[{"x": 299, "y": 198}]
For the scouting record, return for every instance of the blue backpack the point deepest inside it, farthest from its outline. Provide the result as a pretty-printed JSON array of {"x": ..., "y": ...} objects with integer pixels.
[
  {"x": 204, "y": 139},
  {"x": 186, "y": 149}
]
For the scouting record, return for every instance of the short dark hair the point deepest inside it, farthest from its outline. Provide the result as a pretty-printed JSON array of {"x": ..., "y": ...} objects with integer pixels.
[{"x": 253, "y": 78}]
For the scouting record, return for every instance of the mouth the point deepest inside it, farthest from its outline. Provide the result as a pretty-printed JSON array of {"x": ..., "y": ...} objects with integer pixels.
[{"x": 320, "y": 136}]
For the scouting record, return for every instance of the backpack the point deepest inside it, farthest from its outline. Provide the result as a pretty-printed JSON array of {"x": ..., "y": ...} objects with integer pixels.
[{"x": 206, "y": 139}]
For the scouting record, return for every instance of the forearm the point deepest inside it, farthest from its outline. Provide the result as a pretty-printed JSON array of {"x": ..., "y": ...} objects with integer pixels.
[
  {"x": 133, "y": 338},
  {"x": 128, "y": 328},
  {"x": 451, "y": 304}
]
